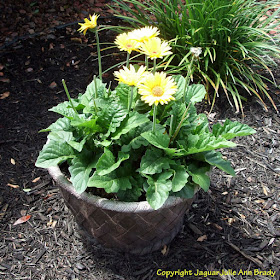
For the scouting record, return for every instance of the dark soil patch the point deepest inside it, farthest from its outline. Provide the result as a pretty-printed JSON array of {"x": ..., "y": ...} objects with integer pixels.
[
  {"x": 234, "y": 226},
  {"x": 23, "y": 19}
]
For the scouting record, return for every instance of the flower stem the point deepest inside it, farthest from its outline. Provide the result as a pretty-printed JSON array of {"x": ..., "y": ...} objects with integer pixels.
[
  {"x": 155, "y": 66},
  {"x": 146, "y": 62},
  {"x": 95, "y": 87},
  {"x": 187, "y": 79},
  {"x": 171, "y": 125},
  {"x": 98, "y": 53},
  {"x": 68, "y": 95},
  {"x": 154, "y": 118},
  {"x": 95, "y": 93},
  {"x": 131, "y": 98},
  {"x": 127, "y": 59}
]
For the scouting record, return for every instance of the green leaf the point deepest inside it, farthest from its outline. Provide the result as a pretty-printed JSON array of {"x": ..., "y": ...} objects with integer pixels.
[
  {"x": 180, "y": 178},
  {"x": 78, "y": 146},
  {"x": 215, "y": 158},
  {"x": 106, "y": 182},
  {"x": 199, "y": 176},
  {"x": 80, "y": 170},
  {"x": 87, "y": 99},
  {"x": 135, "y": 119},
  {"x": 157, "y": 139},
  {"x": 141, "y": 107},
  {"x": 60, "y": 124},
  {"x": 178, "y": 110},
  {"x": 158, "y": 190},
  {"x": 106, "y": 163},
  {"x": 111, "y": 183},
  {"x": 54, "y": 153},
  {"x": 195, "y": 93},
  {"x": 181, "y": 86},
  {"x": 161, "y": 141},
  {"x": 186, "y": 192},
  {"x": 61, "y": 132},
  {"x": 61, "y": 136},
  {"x": 82, "y": 121},
  {"x": 205, "y": 142},
  {"x": 116, "y": 119},
  {"x": 104, "y": 143},
  {"x": 167, "y": 174},
  {"x": 123, "y": 92},
  {"x": 232, "y": 129},
  {"x": 64, "y": 109},
  {"x": 154, "y": 162},
  {"x": 110, "y": 116},
  {"x": 134, "y": 138},
  {"x": 135, "y": 143},
  {"x": 200, "y": 125},
  {"x": 131, "y": 194}
]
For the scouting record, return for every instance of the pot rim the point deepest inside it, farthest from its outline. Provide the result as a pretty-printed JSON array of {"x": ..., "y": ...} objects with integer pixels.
[{"x": 104, "y": 203}]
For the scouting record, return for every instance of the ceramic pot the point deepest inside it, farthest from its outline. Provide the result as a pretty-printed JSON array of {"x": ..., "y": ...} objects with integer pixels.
[{"x": 132, "y": 227}]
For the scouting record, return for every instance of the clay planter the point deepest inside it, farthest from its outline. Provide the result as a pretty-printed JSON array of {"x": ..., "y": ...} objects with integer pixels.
[{"x": 132, "y": 227}]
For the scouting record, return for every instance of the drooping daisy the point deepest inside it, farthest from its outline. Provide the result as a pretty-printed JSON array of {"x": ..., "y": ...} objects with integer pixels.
[
  {"x": 89, "y": 24},
  {"x": 144, "y": 34},
  {"x": 126, "y": 43},
  {"x": 196, "y": 51},
  {"x": 130, "y": 76},
  {"x": 154, "y": 48},
  {"x": 157, "y": 88}
]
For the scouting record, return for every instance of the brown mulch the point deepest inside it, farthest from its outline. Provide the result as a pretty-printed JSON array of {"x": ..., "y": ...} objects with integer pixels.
[
  {"x": 236, "y": 225},
  {"x": 21, "y": 19}
]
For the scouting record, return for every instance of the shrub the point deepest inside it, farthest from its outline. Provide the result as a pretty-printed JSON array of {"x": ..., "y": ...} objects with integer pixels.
[{"x": 235, "y": 37}]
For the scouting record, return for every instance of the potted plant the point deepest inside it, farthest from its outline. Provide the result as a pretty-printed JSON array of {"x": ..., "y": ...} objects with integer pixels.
[{"x": 136, "y": 154}]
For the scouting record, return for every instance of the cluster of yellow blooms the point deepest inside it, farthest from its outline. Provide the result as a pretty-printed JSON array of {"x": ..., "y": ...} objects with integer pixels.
[
  {"x": 143, "y": 40},
  {"x": 154, "y": 88}
]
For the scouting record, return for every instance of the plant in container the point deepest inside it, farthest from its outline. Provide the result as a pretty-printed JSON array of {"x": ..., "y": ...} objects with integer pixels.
[{"x": 137, "y": 154}]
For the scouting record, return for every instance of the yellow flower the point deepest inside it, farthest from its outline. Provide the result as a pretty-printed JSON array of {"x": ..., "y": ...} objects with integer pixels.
[
  {"x": 89, "y": 24},
  {"x": 144, "y": 34},
  {"x": 154, "y": 48},
  {"x": 126, "y": 43},
  {"x": 130, "y": 76},
  {"x": 157, "y": 88}
]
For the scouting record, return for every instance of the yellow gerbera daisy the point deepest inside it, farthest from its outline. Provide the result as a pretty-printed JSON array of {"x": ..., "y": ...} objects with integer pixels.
[
  {"x": 154, "y": 48},
  {"x": 130, "y": 76},
  {"x": 126, "y": 43},
  {"x": 157, "y": 88},
  {"x": 144, "y": 34},
  {"x": 89, "y": 24}
]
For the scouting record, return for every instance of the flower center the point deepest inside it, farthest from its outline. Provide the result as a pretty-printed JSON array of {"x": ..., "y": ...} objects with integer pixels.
[{"x": 157, "y": 91}]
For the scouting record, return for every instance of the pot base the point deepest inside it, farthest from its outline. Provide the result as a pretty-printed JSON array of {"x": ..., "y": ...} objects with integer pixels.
[{"x": 132, "y": 227}]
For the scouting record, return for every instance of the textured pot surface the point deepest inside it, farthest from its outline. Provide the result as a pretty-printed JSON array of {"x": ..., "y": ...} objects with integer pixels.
[{"x": 126, "y": 226}]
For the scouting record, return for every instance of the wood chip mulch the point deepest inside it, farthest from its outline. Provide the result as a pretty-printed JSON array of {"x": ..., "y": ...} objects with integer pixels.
[{"x": 236, "y": 225}]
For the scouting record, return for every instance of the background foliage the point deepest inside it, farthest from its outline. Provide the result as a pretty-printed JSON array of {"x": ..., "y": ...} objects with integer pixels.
[{"x": 235, "y": 36}]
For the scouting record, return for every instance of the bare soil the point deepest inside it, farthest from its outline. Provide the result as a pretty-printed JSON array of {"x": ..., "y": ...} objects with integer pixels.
[{"x": 236, "y": 225}]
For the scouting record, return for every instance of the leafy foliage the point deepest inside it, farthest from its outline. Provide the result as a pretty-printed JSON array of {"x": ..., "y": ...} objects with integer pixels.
[
  {"x": 107, "y": 146},
  {"x": 232, "y": 129},
  {"x": 80, "y": 170}
]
